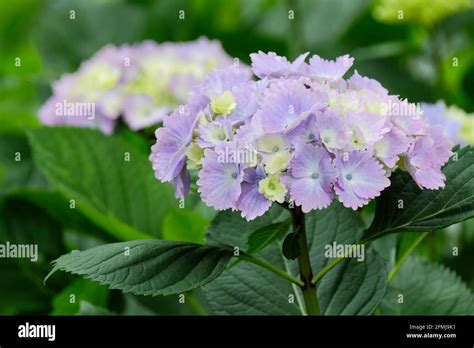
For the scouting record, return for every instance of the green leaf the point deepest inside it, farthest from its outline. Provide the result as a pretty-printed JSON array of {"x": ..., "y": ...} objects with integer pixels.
[
  {"x": 246, "y": 289},
  {"x": 267, "y": 235},
  {"x": 24, "y": 223},
  {"x": 427, "y": 289},
  {"x": 56, "y": 205},
  {"x": 352, "y": 287},
  {"x": 121, "y": 196},
  {"x": 18, "y": 101},
  {"x": 22, "y": 290},
  {"x": 150, "y": 267},
  {"x": 20, "y": 293},
  {"x": 229, "y": 227},
  {"x": 184, "y": 226},
  {"x": 333, "y": 224},
  {"x": 406, "y": 244},
  {"x": 291, "y": 248},
  {"x": 88, "y": 309},
  {"x": 15, "y": 157},
  {"x": 68, "y": 301},
  {"x": 405, "y": 207}
]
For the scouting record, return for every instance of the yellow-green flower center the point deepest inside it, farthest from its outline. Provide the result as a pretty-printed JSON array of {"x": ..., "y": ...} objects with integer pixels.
[
  {"x": 272, "y": 188},
  {"x": 224, "y": 104}
]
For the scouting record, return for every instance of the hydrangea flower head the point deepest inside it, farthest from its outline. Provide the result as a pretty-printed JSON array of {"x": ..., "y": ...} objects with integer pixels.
[
  {"x": 297, "y": 132},
  {"x": 140, "y": 83}
]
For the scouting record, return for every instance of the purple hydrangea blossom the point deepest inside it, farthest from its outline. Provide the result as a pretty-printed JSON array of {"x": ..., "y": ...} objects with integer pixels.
[
  {"x": 328, "y": 70},
  {"x": 286, "y": 103},
  {"x": 273, "y": 66},
  {"x": 389, "y": 148},
  {"x": 251, "y": 202},
  {"x": 219, "y": 181},
  {"x": 361, "y": 83},
  {"x": 426, "y": 156},
  {"x": 312, "y": 176},
  {"x": 360, "y": 178},
  {"x": 142, "y": 83},
  {"x": 171, "y": 142},
  {"x": 300, "y": 134}
]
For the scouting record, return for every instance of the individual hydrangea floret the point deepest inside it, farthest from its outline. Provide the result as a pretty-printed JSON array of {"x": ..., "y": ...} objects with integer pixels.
[
  {"x": 141, "y": 83},
  {"x": 298, "y": 133}
]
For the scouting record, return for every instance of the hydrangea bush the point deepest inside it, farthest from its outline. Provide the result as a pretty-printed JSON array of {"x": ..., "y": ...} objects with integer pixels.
[
  {"x": 299, "y": 133},
  {"x": 139, "y": 84}
]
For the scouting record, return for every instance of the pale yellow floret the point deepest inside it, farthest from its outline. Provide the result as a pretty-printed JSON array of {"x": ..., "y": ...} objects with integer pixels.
[
  {"x": 194, "y": 154},
  {"x": 344, "y": 102},
  {"x": 270, "y": 143},
  {"x": 278, "y": 162},
  {"x": 372, "y": 102},
  {"x": 272, "y": 188}
]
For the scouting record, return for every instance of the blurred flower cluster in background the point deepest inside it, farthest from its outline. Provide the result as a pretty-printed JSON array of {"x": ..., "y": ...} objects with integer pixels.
[{"x": 142, "y": 83}]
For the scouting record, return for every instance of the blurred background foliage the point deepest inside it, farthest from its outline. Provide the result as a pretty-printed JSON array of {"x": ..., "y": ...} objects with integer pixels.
[{"x": 422, "y": 58}]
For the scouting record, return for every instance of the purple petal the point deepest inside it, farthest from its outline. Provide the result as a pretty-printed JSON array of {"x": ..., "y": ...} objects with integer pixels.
[
  {"x": 358, "y": 82},
  {"x": 329, "y": 70},
  {"x": 252, "y": 203},
  {"x": 312, "y": 177},
  {"x": 219, "y": 182},
  {"x": 269, "y": 65},
  {"x": 181, "y": 184},
  {"x": 172, "y": 139},
  {"x": 247, "y": 97},
  {"x": 407, "y": 117},
  {"x": 360, "y": 179},
  {"x": 333, "y": 131},
  {"x": 426, "y": 157},
  {"x": 391, "y": 146},
  {"x": 285, "y": 104}
]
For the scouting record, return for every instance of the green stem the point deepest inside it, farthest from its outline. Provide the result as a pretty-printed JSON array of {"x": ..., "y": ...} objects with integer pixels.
[
  {"x": 407, "y": 253},
  {"x": 270, "y": 267},
  {"x": 325, "y": 270},
  {"x": 304, "y": 262},
  {"x": 333, "y": 264},
  {"x": 392, "y": 273}
]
